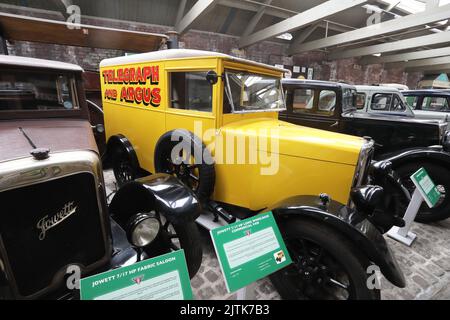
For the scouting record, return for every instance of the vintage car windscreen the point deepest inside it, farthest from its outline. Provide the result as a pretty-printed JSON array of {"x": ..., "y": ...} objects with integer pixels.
[
  {"x": 27, "y": 91},
  {"x": 251, "y": 92}
]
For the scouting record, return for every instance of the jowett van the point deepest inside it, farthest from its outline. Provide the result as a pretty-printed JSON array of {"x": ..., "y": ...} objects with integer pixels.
[{"x": 212, "y": 120}]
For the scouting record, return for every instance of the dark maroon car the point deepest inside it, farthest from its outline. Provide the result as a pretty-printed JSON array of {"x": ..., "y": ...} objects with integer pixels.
[{"x": 54, "y": 215}]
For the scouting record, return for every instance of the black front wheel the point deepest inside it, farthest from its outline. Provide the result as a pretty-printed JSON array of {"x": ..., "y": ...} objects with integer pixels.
[
  {"x": 441, "y": 177},
  {"x": 326, "y": 266}
]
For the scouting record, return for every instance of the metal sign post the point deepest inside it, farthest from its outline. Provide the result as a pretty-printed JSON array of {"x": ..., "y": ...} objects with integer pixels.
[
  {"x": 426, "y": 191},
  {"x": 403, "y": 235},
  {"x": 247, "y": 293}
]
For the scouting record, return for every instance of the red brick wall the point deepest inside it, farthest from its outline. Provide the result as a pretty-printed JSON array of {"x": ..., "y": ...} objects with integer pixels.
[{"x": 348, "y": 70}]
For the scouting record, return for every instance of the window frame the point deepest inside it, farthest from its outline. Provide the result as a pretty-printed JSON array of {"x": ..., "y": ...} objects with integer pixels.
[
  {"x": 170, "y": 108},
  {"x": 228, "y": 92},
  {"x": 77, "y": 87},
  {"x": 446, "y": 99},
  {"x": 391, "y": 94},
  {"x": 315, "y": 109}
]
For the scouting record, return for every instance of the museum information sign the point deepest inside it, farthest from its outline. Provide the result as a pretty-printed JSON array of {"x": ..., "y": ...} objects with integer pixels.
[
  {"x": 162, "y": 278},
  {"x": 426, "y": 187},
  {"x": 250, "y": 250}
]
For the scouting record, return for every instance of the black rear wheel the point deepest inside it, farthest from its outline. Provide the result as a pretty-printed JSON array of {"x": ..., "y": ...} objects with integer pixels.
[
  {"x": 441, "y": 177},
  {"x": 122, "y": 167},
  {"x": 326, "y": 266}
]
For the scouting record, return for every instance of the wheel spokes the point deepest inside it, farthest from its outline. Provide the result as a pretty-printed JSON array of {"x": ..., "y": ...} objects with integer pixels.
[{"x": 337, "y": 284}]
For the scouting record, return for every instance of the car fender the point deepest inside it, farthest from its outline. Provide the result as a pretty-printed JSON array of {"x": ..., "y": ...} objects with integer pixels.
[
  {"x": 160, "y": 192},
  {"x": 434, "y": 155},
  {"x": 120, "y": 141},
  {"x": 363, "y": 234}
]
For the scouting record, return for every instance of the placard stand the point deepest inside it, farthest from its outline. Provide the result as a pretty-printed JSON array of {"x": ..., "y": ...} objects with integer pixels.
[
  {"x": 403, "y": 235},
  {"x": 247, "y": 293}
]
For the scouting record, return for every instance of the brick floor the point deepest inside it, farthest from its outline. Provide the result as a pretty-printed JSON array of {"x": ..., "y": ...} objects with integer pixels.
[{"x": 426, "y": 266}]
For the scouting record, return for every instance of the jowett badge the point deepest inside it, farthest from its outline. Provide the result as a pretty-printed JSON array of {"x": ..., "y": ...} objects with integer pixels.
[{"x": 46, "y": 223}]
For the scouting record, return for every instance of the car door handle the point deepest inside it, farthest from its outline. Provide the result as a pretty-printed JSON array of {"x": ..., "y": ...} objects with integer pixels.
[{"x": 334, "y": 125}]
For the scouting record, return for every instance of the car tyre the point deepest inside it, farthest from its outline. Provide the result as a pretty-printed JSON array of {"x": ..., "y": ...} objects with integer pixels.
[
  {"x": 199, "y": 175},
  {"x": 318, "y": 272}
]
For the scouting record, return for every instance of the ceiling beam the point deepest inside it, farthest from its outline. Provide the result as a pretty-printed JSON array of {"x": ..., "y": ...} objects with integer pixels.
[
  {"x": 252, "y": 24},
  {"x": 438, "y": 68},
  {"x": 180, "y": 13},
  {"x": 388, "y": 27},
  {"x": 305, "y": 34},
  {"x": 249, "y": 6},
  {"x": 301, "y": 20},
  {"x": 419, "y": 63},
  {"x": 270, "y": 11},
  {"x": 416, "y": 55},
  {"x": 428, "y": 40},
  {"x": 200, "y": 8}
]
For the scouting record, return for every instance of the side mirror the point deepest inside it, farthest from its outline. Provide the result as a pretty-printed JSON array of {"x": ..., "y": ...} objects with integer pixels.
[{"x": 212, "y": 77}]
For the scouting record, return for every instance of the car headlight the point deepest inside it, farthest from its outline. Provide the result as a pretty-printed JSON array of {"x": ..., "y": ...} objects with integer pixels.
[
  {"x": 367, "y": 198},
  {"x": 142, "y": 229}
]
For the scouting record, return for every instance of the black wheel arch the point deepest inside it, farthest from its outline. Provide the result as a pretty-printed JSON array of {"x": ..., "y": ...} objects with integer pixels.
[
  {"x": 157, "y": 192},
  {"x": 122, "y": 142},
  {"x": 433, "y": 155},
  {"x": 351, "y": 225}
]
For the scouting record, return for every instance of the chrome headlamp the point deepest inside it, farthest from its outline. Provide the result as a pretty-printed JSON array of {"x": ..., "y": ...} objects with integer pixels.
[{"x": 143, "y": 229}]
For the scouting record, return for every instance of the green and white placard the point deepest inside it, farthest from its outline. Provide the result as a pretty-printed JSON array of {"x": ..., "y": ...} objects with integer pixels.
[
  {"x": 426, "y": 186},
  {"x": 162, "y": 278},
  {"x": 250, "y": 250}
]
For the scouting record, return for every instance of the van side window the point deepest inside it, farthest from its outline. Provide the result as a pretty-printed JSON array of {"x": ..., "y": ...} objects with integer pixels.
[
  {"x": 303, "y": 101},
  {"x": 190, "y": 91},
  {"x": 327, "y": 103},
  {"x": 381, "y": 102},
  {"x": 435, "y": 104},
  {"x": 360, "y": 101}
]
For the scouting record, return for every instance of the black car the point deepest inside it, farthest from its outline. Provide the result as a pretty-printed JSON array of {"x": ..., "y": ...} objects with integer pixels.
[
  {"x": 429, "y": 104},
  {"x": 406, "y": 142}
]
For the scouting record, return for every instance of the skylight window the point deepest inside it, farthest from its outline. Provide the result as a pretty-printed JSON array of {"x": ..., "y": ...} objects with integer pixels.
[{"x": 285, "y": 36}]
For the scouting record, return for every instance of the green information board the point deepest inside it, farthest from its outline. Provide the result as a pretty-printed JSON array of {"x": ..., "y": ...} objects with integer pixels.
[
  {"x": 250, "y": 250},
  {"x": 162, "y": 278},
  {"x": 426, "y": 187}
]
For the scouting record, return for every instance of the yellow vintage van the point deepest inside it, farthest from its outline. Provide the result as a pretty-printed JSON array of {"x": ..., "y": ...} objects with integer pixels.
[{"x": 211, "y": 120}]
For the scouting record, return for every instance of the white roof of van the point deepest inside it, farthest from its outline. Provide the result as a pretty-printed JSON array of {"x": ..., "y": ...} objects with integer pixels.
[
  {"x": 38, "y": 63},
  {"x": 376, "y": 88},
  {"x": 172, "y": 54}
]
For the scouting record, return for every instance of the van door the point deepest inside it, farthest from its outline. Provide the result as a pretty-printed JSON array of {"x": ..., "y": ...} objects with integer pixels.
[{"x": 190, "y": 104}]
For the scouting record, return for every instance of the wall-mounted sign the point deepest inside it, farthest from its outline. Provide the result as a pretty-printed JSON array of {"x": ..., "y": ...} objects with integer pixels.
[
  {"x": 250, "y": 250},
  {"x": 426, "y": 186},
  {"x": 161, "y": 278}
]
